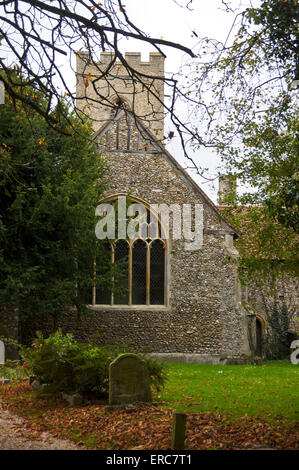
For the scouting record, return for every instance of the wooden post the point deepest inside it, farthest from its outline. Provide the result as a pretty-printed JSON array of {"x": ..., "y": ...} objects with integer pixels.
[{"x": 178, "y": 431}]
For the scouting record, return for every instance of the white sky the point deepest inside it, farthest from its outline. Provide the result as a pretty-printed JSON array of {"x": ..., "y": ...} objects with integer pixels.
[{"x": 164, "y": 18}]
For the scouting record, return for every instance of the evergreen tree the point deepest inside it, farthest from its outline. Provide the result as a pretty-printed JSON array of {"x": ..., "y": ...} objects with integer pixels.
[{"x": 50, "y": 185}]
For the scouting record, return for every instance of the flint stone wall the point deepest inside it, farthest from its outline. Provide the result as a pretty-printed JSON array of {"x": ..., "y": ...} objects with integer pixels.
[{"x": 261, "y": 295}]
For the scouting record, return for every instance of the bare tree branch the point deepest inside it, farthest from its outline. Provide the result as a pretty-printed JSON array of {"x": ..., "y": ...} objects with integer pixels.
[{"x": 36, "y": 33}]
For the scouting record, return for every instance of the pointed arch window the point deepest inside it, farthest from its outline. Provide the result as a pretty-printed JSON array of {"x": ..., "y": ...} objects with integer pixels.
[{"x": 143, "y": 262}]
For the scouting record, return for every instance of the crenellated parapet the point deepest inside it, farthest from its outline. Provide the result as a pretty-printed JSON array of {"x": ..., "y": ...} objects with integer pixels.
[{"x": 140, "y": 85}]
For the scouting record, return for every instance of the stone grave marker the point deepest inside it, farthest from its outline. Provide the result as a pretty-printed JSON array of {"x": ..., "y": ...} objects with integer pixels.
[
  {"x": 2, "y": 353},
  {"x": 128, "y": 380}
]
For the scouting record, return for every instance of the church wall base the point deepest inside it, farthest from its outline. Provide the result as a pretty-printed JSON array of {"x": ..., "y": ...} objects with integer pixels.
[
  {"x": 214, "y": 359},
  {"x": 187, "y": 358}
]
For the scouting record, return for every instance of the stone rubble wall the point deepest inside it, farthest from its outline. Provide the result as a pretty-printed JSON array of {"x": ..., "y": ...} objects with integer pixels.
[{"x": 261, "y": 295}]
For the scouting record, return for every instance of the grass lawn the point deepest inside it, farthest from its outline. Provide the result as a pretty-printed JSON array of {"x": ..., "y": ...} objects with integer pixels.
[
  {"x": 228, "y": 407},
  {"x": 269, "y": 391}
]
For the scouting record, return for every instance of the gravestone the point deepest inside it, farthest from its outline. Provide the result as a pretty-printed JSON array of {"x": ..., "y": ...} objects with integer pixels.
[
  {"x": 128, "y": 380},
  {"x": 2, "y": 353}
]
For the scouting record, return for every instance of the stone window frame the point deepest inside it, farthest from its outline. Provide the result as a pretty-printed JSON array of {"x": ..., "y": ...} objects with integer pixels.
[{"x": 166, "y": 244}]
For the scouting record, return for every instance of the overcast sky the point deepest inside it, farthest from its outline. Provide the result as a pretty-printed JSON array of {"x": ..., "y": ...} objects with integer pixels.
[{"x": 164, "y": 18}]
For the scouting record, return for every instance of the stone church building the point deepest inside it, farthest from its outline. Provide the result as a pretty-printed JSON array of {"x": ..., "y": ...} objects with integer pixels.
[{"x": 181, "y": 304}]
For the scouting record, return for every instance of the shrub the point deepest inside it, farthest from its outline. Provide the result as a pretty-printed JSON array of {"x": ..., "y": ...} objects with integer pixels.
[
  {"x": 69, "y": 366},
  {"x": 13, "y": 371},
  {"x": 157, "y": 373}
]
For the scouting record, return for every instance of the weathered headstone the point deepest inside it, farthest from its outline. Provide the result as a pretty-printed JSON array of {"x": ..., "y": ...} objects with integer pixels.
[
  {"x": 128, "y": 380},
  {"x": 2, "y": 353}
]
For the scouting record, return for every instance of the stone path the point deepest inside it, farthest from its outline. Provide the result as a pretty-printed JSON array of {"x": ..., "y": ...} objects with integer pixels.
[{"x": 15, "y": 436}]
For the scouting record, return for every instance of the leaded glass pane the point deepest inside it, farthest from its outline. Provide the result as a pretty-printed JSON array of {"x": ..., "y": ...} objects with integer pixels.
[
  {"x": 121, "y": 258},
  {"x": 139, "y": 273},
  {"x": 157, "y": 273},
  {"x": 103, "y": 279}
]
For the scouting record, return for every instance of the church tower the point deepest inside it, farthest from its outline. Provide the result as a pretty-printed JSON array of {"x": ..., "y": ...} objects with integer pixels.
[{"x": 139, "y": 87}]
